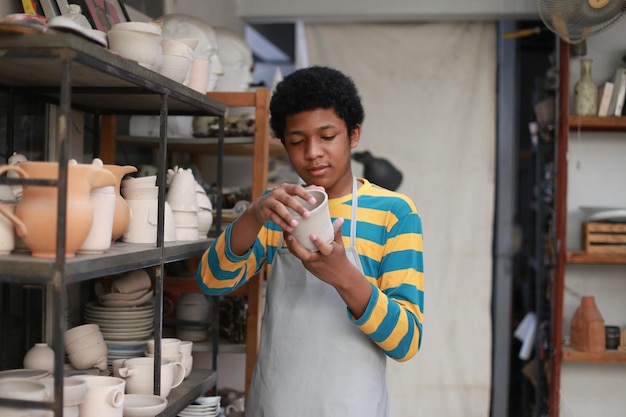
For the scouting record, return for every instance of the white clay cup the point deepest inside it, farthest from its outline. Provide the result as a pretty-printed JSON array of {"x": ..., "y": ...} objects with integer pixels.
[
  {"x": 318, "y": 223},
  {"x": 104, "y": 397},
  {"x": 139, "y": 375},
  {"x": 169, "y": 346}
]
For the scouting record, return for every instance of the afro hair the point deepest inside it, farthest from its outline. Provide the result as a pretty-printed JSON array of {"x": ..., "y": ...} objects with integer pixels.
[{"x": 316, "y": 88}]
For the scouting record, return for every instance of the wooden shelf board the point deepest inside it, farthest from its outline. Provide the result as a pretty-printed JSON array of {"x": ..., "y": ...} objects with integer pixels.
[
  {"x": 595, "y": 123},
  {"x": 232, "y": 145},
  {"x": 610, "y": 356},
  {"x": 579, "y": 257}
]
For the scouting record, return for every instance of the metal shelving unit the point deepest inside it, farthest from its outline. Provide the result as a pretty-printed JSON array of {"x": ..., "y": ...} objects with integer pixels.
[{"x": 74, "y": 73}]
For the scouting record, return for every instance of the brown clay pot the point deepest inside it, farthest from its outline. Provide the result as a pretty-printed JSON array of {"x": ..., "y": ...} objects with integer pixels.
[
  {"x": 587, "y": 331},
  {"x": 35, "y": 217}
]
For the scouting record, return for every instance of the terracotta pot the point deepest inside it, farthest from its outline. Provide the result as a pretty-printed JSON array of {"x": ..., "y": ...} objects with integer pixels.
[
  {"x": 588, "y": 333},
  {"x": 35, "y": 216},
  {"x": 121, "y": 218}
]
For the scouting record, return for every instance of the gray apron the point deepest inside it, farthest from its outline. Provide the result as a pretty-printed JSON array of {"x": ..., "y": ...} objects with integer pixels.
[{"x": 312, "y": 361}]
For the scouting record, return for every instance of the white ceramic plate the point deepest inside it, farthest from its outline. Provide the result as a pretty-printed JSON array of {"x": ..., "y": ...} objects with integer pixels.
[
  {"x": 128, "y": 336},
  {"x": 65, "y": 24},
  {"x": 94, "y": 306},
  {"x": 25, "y": 373},
  {"x": 612, "y": 214},
  {"x": 121, "y": 324},
  {"x": 143, "y": 405}
]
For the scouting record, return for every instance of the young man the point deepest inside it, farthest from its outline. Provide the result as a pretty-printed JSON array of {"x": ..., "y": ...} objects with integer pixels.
[{"x": 332, "y": 316}]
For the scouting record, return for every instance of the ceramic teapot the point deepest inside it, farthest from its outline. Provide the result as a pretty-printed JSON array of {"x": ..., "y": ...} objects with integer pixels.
[{"x": 35, "y": 217}]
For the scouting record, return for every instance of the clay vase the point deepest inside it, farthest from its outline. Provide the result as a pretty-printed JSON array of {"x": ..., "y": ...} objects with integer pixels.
[
  {"x": 585, "y": 91},
  {"x": 121, "y": 216},
  {"x": 587, "y": 329},
  {"x": 35, "y": 217},
  {"x": 40, "y": 356}
]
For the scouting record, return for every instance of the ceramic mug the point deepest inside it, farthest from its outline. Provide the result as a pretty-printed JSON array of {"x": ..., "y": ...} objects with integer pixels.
[
  {"x": 104, "y": 397},
  {"x": 139, "y": 375},
  {"x": 318, "y": 223}
]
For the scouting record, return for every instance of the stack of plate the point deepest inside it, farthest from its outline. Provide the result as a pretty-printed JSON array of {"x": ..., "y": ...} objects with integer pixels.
[
  {"x": 125, "y": 329},
  {"x": 202, "y": 407}
]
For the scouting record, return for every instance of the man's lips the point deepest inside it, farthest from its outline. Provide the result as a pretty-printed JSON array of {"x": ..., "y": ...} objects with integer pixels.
[{"x": 318, "y": 170}]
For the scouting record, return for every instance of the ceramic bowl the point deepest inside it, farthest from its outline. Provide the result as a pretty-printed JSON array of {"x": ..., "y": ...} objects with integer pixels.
[
  {"x": 145, "y": 27},
  {"x": 178, "y": 357},
  {"x": 143, "y": 405},
  {"x": 175, "y": 67},
  {"x": 131, "y": 282},
  {"x": 84, "y": 342},
  {"x": 80, "y": 331},
  {"x": 74, "y": 389},
  {"x": 94, "y": 356},
  {"x": 142, "y": 47},
  {"x": 22, "y": 389},
  {"x": 169, "y": 346}
]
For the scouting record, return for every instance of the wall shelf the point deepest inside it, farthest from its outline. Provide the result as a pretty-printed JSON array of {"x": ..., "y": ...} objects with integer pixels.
[
  {"x": 69, "y": 71},
  {"x": 578, "y": 257},
  {"x": 610, "y": 356},
  {"x": 597, "y": 124},
  {"x": 243, "y": 145}
]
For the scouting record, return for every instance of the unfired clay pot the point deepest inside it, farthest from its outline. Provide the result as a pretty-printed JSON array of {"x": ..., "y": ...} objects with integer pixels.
[
  {"x": 35, "y": 216},
  {"x": 588, "y": 333},
  {"x": 40, "y": 356},
  {"x": 122, "y": 212}
]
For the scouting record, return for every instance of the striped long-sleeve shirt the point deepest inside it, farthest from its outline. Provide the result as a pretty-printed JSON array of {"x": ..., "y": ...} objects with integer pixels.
[{"x": 389, "y": 243}]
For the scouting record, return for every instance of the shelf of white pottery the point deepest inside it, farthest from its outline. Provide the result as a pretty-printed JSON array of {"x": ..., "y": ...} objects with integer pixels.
[
  {"x": 101, "y": 80},
  {"x": 121, "y": 257},
  {"x": 194, "y": 386}
]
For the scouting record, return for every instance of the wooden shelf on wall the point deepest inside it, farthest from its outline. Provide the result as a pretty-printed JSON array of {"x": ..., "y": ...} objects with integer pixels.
[
  {"x": 597, "y": 124},
  {"x": 610, "y": 356},
  {"x": 579, "y": 257}
]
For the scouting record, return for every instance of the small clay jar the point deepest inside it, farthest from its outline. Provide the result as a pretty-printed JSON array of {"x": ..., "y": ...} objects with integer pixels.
[{"x": 588, "y": 334}]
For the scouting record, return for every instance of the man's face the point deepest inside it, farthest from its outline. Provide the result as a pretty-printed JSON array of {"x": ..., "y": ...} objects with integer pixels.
[{"x": 319, "y": 149}]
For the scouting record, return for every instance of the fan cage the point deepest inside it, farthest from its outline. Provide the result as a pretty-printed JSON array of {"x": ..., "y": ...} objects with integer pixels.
[{"x": 574, "y": 20}]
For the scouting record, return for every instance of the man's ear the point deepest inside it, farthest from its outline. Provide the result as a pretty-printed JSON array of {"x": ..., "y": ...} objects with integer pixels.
[{"x": 355, "y": 137}]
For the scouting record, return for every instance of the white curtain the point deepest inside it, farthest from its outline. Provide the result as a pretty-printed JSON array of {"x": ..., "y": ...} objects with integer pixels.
[{"x": 430, "y": 102}]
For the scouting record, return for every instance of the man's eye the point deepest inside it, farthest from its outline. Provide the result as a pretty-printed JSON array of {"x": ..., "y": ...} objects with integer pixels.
[{"x": 328, "y": 137}]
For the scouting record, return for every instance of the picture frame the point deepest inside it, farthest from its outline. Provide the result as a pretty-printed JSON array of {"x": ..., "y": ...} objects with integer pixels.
[
  {"x": 103, "y": 14},
  {"x": 47, "y": 8}
]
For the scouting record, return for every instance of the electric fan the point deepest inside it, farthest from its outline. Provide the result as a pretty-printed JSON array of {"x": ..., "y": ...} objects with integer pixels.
[{"x": 575, "y": 20}]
